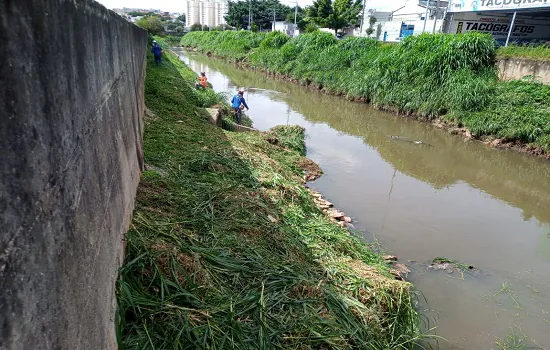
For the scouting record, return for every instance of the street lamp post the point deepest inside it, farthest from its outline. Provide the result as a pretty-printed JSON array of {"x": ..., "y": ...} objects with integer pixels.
[{"x": 295, "y": 16}]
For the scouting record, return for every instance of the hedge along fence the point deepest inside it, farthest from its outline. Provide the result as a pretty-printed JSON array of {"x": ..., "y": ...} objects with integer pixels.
[{"x": 452, "y": 76}]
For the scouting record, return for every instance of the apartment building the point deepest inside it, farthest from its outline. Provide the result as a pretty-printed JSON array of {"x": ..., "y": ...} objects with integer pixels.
[{"x": 206, "y": 12}]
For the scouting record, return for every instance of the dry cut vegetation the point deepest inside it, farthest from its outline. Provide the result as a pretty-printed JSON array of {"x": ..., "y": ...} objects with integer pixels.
[{"x": 227, "y": 249}]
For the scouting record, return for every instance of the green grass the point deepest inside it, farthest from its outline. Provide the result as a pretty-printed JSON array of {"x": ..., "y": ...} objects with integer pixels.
[
  {"x": 429, "y": 76},
  {"x": 537, "y": 52},
  {"x": 228, "y": 250},
  {"x": 516, "y": 339}
]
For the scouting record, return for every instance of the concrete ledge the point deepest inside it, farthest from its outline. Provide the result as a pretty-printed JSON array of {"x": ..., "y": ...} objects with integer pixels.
[
  {"x": 216, "y": 119},
  {"x": 242, "y": 128},
  {"x": 514, "y": 68}
]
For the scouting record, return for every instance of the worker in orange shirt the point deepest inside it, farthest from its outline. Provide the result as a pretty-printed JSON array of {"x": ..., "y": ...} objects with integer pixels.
[{"x": 202, "y": 81}]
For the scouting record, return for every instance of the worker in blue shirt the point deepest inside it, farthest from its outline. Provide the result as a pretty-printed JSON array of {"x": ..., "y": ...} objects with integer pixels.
[
  {"x": 157, "y": 51},
  {"x": 238, "y": 103}
]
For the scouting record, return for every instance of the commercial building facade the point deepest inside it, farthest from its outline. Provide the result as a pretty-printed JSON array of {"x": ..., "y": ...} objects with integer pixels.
[{"x": 508, "y": 21}]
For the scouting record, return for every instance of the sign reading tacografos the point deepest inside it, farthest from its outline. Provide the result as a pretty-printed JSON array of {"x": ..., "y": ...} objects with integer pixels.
[
  {"x": 524, "y": 30},
  {"x": 489, "y": 5}
]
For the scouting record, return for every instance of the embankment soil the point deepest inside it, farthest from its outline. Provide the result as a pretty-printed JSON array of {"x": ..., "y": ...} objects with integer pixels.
[
  {"x": 228, "y": 249},
  {"x": 450, "y": 80}
]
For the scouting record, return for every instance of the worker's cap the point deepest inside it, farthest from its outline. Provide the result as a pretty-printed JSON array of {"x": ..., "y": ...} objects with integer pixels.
[
  {"x": 154, "y": 41},
  {"x": 241, "y": 92}
]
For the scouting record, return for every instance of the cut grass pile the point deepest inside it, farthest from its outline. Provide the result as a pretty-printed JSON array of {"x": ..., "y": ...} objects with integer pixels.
[
  {"x": 289, "y": 136},
  {"x": 428, "y": 76},
  {"x": 227, "y": 249}
]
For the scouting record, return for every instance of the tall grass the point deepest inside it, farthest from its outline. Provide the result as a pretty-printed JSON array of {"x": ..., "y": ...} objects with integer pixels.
[
  {"x": 231, "y": 44},
  {"x": 227, "y": 249},
  {"x": 538, "y": 52},
  {"x": 429, "y": 76}
]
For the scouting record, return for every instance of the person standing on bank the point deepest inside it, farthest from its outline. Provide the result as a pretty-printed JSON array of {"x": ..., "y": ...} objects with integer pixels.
[
  {"x": 157, "y": 51},
  {"x": 238, "y": 103}
]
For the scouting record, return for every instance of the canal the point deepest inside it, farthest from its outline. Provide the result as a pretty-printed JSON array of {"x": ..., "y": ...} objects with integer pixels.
[{"x": 445, "y": 197}]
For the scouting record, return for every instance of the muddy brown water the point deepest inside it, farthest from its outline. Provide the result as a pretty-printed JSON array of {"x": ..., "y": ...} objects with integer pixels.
[{"x": 458, "y": 199}]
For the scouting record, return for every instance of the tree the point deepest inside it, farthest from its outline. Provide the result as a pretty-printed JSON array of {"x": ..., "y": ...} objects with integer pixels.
[
  {"x": 310, "y": 28},
  {"x": 182, "y": 19},
  {"x": 261, "y": 12},
  {"x": 337, "y": 14},
  {"x": 370, "y": 29},
  {"x": 152, "y": 24},
  {"x": 195, "y": 27},
  {"x": 138, "y": 14},
  {"x": 372, "y": 21},
  {"x": 320, "y": 11},
  {"x": 378, "y": 31}
]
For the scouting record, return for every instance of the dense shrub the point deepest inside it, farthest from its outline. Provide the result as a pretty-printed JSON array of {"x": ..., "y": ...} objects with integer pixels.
[{"x": 274, "y": 40}]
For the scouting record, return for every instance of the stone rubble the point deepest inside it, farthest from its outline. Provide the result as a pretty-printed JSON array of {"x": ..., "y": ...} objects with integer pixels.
[{"x": 328, "y": 209}]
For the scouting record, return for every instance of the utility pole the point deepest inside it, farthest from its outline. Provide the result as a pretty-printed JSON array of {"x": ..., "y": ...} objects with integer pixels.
[
  {"x": 510, "y": 30},
  {"x": 295, "y": 16},
  {"x": 362, "y": 18},
  {"x": 249, "y": 14},
  {"x": 435, "y": 18},
  {"x": 426, "y": 16},
  {"x": 273, "y": 19}
]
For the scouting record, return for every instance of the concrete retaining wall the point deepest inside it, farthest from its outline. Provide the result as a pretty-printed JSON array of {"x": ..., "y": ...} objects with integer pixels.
[
  {"x": 71, "y": 106},
  {"x": 517, "y": 68}
]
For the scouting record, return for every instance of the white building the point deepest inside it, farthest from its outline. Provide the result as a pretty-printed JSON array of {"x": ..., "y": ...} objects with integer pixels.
[
  {"x": 287, "y": 28},
  {"x": 412, "y": 18},
  {"x": 206, "y": 12}
]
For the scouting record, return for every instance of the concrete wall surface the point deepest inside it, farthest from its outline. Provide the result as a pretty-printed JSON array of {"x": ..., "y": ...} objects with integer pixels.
[
  {"x": 71, "y": 106},
  {"x": 517, "y": 68}
]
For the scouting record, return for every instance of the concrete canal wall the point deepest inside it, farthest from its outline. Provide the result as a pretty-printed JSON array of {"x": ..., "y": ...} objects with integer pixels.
[
  {"x": 511, "y": 68},
  {"x": 71, "y": 102}
]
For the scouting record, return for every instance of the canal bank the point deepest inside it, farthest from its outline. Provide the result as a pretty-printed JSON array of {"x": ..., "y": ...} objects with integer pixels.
[
  {"x": 451, "y": 81},
  {"x": 457, "y": 199},
  {"x": 228, "y": 248}
]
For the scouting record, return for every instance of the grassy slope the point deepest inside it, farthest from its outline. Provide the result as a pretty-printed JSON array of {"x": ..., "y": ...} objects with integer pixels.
[
  {"x": 452, "y": 77},
  {"x": 227, "y": 249}
]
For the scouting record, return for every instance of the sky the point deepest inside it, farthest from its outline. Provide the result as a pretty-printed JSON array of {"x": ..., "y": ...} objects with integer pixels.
[{"x": 177, "y": 5}]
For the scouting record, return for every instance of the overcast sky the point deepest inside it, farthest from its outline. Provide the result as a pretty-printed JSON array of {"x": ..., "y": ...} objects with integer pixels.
[{"x": 177, "y": 5}]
